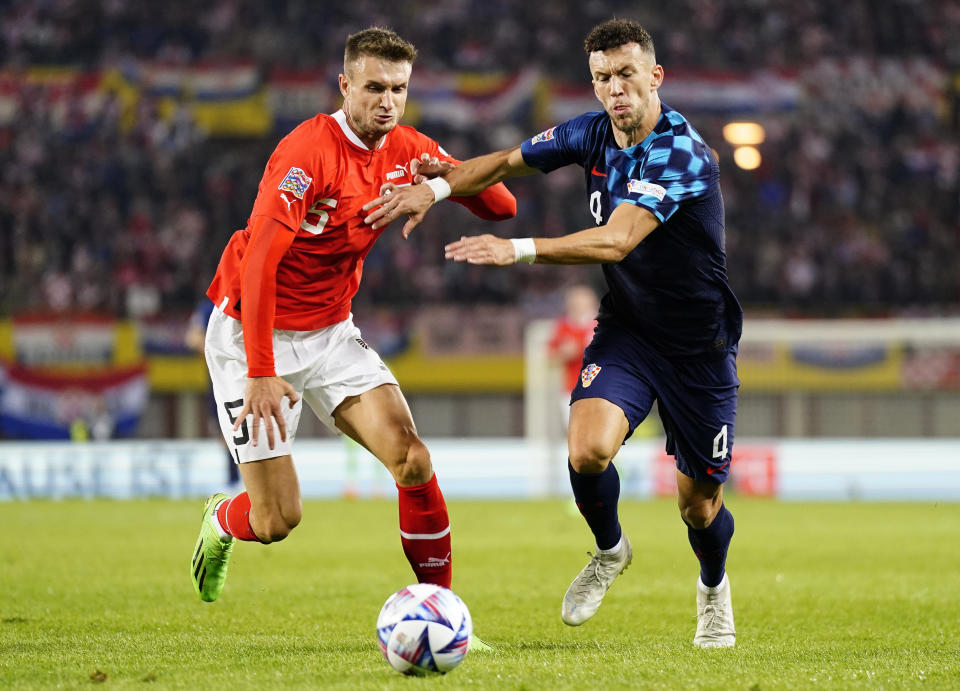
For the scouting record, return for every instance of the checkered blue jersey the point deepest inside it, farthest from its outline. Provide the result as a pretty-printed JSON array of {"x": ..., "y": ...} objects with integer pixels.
[{"x": 672, "y": 288}]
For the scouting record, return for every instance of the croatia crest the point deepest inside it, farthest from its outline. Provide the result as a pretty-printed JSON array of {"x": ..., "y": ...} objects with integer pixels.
[
  {"x": 295, "y": 181},
  {"x": 588, "y": 374}
]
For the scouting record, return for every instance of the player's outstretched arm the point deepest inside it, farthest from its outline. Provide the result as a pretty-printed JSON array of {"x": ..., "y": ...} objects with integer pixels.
[
  {"x": 495, "y": 203},
  {"x": 469, "y": 178},
  {"x": 269, "y": 241},
  {"x": 606, "y": 244}
]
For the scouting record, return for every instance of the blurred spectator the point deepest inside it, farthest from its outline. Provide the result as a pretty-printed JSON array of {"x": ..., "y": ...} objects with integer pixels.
[{"x": 855, "y": 209}]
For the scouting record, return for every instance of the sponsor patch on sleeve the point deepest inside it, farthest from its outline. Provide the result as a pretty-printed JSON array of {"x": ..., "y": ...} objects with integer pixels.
[
  {"x": 544, "y": 136},
  {"x": 641, "y": 187},
  {"x": 296, "y": 182}
]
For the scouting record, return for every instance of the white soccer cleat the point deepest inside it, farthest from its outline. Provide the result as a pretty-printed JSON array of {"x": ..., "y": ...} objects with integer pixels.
[
  {"x": 585, "y": 594},
  {"x": 714, "y": 616}
]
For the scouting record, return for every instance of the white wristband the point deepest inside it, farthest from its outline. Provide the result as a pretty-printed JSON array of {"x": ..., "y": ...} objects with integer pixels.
[
  {"x": 524, "y": 250},
  {"x": 440, "y": 187}
]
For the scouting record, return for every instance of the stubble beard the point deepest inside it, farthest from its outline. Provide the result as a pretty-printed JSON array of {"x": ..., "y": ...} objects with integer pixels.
[
  {"x": 368, "y": 129},
  {"x": 630, "y": 126}
]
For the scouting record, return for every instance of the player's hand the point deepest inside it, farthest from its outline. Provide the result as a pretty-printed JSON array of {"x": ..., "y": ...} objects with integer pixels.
[
  {"x": 481, "y": 249},
  {"x": 428, "y": 166},
  {"x": 413, "y": 200},
  {"x": 263, "y": 401}
]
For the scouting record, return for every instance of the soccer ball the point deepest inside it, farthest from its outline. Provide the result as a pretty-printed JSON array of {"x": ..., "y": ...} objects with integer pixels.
[{"x": 424, "y": 629}]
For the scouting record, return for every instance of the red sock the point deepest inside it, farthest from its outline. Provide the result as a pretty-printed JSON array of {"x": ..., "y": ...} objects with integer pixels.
[
  {"x": 425, "y": 532},
  {"x": 234, "y": 517}
]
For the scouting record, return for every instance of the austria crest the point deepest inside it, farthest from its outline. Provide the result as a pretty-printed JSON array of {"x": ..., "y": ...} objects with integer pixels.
[{"x": 588, "y": 374}]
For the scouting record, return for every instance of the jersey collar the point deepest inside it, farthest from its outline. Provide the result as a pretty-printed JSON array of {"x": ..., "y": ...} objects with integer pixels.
[{"x": 341, "y": 119}]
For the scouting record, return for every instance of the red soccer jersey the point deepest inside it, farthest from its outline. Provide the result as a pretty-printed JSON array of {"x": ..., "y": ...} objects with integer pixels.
[
  {"x": 315, "y": 183},
  {"x": 578, "y": 335}
]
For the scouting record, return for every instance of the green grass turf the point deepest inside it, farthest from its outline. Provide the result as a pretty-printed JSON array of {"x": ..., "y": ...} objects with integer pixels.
[{"x": 826, "y": 596}]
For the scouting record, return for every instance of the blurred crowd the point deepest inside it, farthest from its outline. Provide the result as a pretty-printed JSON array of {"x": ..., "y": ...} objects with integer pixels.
[{"x": 855, "y": 209}]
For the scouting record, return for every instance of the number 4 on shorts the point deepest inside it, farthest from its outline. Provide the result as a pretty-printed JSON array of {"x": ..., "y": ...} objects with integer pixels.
[{"x": 720, "y": 443}]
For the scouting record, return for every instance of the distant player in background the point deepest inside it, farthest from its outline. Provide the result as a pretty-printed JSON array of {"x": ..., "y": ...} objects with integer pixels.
[
  {"x": 571, "y": 334},
  {"x": 668, "y": 326},
  {"x": 282, "y": 326},
  {"x": 194, "y": 338}
]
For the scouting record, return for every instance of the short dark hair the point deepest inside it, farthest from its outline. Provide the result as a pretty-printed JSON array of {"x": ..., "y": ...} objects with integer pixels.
[
  {"x": 614, "y": 33},
  {"x": 379, "y": 43}
]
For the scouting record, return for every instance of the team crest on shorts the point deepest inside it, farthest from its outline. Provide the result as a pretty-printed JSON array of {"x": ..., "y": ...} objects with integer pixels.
[
  {"x": 588, "y": 374},
  {"x": 295, "y": 181}
]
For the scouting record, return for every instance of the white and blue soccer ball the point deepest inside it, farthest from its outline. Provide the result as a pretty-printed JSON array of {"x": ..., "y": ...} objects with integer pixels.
[{"x": 424, "y": 629}]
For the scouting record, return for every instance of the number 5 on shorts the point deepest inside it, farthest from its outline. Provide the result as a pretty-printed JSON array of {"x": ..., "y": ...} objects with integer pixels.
[{"x": 231, "y": 406}]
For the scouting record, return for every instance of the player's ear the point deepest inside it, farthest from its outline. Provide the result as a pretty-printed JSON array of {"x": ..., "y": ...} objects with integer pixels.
[
  {"x": 656, "y": 77},
  {"x": 343, "y": 83}
]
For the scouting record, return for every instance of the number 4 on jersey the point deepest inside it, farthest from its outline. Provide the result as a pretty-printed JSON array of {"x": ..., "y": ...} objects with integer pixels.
[{"x": 596, "y": 210}]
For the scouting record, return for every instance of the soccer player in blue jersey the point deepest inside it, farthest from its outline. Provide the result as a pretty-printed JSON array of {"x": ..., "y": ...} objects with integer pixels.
[{"x": 669, "y": 324}]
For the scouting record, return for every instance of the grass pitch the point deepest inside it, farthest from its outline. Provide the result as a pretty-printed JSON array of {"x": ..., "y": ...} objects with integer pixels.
[{"x": 825, "y": 595}]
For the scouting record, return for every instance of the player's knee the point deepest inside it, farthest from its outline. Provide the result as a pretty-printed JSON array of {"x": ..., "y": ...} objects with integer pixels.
[
  {"x": 414, "y": 467},
  {"x": 278, "y": 523},
  {"x": 698, "y": 515},
  {"x": 587, "y": 456}
]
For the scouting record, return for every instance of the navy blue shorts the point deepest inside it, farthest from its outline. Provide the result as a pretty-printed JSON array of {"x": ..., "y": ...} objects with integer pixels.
[{"x": 697, "y": 401}]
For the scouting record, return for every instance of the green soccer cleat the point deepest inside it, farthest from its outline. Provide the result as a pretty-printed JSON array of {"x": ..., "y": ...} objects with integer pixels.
[
  {"x": 479, "y": 646},
  {"x": 208, "y": 566}
]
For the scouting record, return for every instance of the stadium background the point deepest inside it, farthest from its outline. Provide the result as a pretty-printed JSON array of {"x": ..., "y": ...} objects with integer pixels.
[{"x": 132, "y": 141}]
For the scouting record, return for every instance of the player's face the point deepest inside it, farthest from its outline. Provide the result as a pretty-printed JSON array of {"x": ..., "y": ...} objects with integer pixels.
[
  {"x": 374, "y": 96},
  {"x": 625, "y": 80}
]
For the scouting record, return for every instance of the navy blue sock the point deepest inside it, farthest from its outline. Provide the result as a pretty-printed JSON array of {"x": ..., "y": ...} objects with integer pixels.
[
  {"x": 597, "y": 496},
  {"x": 710, "y": 545}
]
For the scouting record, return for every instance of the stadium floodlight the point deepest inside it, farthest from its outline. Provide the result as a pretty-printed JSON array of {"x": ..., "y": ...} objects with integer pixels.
[
  {"x": 747, "y": 157},
  {"x": 744, "y": 133}
]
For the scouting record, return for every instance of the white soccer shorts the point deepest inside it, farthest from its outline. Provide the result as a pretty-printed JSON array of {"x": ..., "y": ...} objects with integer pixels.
[{"x": 324, "y": 366}]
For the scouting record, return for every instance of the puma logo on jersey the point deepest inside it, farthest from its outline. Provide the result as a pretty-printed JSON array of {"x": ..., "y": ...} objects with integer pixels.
[
  {"x": 399, "y": 173},
  {"x": 283, "y": 196}
]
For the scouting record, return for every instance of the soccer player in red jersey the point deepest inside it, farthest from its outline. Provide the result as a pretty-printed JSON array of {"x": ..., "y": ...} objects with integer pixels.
[
  {"x": 282, "y": 326},
  {"x": 571, "y": 334}
]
